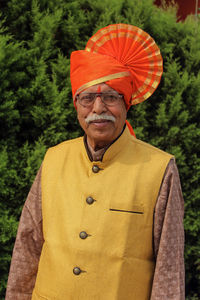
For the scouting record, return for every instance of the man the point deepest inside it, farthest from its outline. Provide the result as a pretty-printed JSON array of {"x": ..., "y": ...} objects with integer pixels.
[{"x": 104, "y": 217}]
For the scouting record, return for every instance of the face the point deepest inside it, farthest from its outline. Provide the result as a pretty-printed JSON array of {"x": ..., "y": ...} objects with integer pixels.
[{"x": 101, "y": 132}]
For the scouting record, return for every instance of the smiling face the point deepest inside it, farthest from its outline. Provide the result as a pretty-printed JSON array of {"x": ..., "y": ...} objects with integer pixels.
[{"x": 101, "y": 132}]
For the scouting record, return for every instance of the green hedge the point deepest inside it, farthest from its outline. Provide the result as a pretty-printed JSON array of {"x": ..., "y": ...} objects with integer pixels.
[{"x": 36, "y": 109}]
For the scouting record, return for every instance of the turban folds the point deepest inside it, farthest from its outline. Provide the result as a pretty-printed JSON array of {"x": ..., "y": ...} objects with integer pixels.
[{"x": 122, "y": 56}]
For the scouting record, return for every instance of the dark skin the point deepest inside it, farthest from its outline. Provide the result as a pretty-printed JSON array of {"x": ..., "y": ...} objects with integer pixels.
[{"x": 101, "y": 133}]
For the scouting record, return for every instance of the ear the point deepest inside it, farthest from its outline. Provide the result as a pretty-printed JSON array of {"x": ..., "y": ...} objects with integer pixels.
[{"x": 75, "y": 103}]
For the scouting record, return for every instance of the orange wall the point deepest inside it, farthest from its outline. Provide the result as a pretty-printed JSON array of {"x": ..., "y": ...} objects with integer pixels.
[{"x": 186, "y": 7}]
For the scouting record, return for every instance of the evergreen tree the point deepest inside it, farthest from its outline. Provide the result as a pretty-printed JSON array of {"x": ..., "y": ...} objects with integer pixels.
[{"x": 36, "y": 109}]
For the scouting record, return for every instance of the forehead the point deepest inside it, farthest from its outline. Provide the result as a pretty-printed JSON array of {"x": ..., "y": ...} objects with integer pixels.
[{"x": 102, "y": 87}]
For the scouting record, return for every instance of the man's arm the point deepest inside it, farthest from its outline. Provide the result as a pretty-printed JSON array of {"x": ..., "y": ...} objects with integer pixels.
[
  {"x": 28, "y": 246},
  {"x": 169, "y": 276}
]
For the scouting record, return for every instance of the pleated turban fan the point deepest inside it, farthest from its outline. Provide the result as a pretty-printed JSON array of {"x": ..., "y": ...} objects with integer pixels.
[{"x": 124, "y": 57}]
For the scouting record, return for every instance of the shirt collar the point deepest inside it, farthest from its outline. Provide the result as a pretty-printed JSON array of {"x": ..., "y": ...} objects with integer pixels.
[{"x": 98, "y": 155}]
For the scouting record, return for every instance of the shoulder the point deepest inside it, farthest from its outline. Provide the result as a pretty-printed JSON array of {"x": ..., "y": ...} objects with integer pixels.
[
  {"x": 65, "y": 149},
  {"x": 66, "y": 145},
  {"x": 148, "y": 148},
  {"x": 57, "y": 155}
]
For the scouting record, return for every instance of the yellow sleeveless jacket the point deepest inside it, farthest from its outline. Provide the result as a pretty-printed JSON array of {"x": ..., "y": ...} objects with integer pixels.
[{"x": 106, "y": 238}]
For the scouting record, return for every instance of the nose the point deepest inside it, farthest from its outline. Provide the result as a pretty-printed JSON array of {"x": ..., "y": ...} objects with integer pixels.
[{"x": 99, "y": 107}]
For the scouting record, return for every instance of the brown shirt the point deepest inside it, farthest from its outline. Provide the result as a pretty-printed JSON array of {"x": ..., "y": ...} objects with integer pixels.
[{"x": 168, "y": 232}]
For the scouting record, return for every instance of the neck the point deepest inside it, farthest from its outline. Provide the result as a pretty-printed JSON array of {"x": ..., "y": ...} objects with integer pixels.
[
  {"x": 102, "y": 145},
  {"x": 96, "y": 153},
  {"x": 97, "y": 146}
]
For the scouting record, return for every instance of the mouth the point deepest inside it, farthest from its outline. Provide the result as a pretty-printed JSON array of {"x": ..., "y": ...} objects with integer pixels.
[{"x": 100, "y": 121}]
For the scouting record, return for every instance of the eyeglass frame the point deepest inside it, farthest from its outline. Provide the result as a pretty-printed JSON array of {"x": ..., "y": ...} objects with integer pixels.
[{"x": 95, "y": 95}]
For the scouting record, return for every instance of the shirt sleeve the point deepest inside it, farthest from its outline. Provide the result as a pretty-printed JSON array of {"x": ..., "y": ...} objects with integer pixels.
[
  {"x": 169, "y": 276},
  {"x": 27, "y": 248}
]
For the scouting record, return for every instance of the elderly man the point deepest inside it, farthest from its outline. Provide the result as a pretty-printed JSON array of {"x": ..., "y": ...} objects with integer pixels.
[{"x": 104, "y": 217}]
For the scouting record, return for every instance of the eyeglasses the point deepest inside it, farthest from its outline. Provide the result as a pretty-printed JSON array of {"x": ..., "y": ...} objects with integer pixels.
[{"x": 109, "y": 99}]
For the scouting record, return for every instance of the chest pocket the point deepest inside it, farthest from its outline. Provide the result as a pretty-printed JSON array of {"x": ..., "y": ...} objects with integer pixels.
[
  {"x": 129, "y": 229},
  {"x": 135, "y": 209}
]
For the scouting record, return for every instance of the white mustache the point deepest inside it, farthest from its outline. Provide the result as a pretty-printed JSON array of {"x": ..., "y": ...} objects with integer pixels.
[{"x": 95, "y": 117}]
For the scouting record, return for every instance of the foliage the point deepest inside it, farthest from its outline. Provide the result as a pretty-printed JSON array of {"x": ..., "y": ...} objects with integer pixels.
[{"x": 36, "y": 109}]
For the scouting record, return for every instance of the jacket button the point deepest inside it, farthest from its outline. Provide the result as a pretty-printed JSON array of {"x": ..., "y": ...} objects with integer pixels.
[
  {"x": 83, "y": 235},
  {"x": 89, "y": 200},
  {"x": 95, "y": 169},
  {"x": 76, "y": 271}
]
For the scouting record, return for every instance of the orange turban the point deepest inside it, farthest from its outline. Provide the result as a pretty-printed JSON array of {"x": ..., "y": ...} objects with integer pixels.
[{"x": 122, "y": 56}]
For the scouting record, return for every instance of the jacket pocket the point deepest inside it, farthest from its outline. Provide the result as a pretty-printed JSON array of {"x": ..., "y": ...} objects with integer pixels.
[{"x": 135, "y": 209}]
